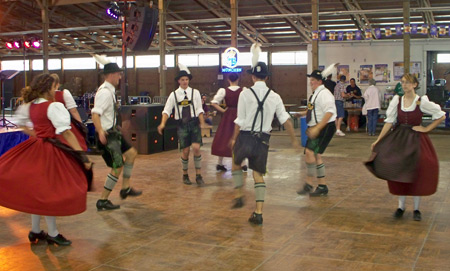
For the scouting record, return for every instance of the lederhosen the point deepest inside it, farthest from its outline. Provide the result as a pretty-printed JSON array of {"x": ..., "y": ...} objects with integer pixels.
[
  {"x": 319, "y": 144},
  {"x": 188, "y": 128},
  {"x": 116, "y": 145},
  {"x": 253, "y": 145}
]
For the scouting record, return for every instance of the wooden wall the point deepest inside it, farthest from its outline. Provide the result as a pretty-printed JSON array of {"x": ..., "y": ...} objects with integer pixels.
[{"x": 289, "y": 81}]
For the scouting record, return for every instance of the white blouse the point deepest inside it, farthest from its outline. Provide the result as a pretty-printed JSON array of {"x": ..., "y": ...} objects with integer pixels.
[
  {"x": 221, "y": 93},
  {"x": 56, "y": 113},
  {"x": 426, "y": 107},
  {"x": 68, "y": 99}
]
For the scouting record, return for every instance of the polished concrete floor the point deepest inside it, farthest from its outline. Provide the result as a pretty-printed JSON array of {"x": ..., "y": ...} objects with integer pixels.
[{"x": 177, "y": 227}]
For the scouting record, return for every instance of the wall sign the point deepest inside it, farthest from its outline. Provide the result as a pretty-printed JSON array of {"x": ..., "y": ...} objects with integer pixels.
[{"x": 231, "y": 60}]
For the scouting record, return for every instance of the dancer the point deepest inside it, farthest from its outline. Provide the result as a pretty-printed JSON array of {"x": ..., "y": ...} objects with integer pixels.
[
  {"x": 257, "y": 107},
  {"x": 189, "y": 114},
  {"x": 41, "y": 175},
  {"x": 78, "y": 128},
  {"x": 405, "y": 156},
  {"x": 321, "y": 116},
  {"x": 224, "y": 133},
  {"x": 110, "y": 139}
]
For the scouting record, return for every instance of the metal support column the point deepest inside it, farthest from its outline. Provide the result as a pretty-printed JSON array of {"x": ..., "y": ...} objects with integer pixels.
[
  {"x": 406, "y": 37},
  {"x": 45, "y": 27},
  {"x": 124, "y": 81},
  {"x": 315, "y": 27},
  {"x": 234, "y": 23},
  {"x": 162, "y": 48}
]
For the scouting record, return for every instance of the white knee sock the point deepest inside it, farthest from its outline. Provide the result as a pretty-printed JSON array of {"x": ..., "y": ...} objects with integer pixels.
[
  {"x": 220, "y": 161},
  {"x": 36, "y": 223},
  {"x": 416, "y": 202},
  {"x": 401, "y": 202},
  {"x": 51, "y": 226}
]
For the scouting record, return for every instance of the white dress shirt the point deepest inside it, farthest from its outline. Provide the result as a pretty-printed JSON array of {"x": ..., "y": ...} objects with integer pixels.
[
  {"x": 426, "y": 107},
  {"x": 171, "y": 103},
  {"x": 104, "y": 102},
  {"x": 323, "y": 103},
  {"x": 372, "y": 98},
  {"x": 248, "y": 105},
  {"x": 56, "y": 113},
  {"x": 221, "y": 93},
  {"x": 68, "y": 99}
]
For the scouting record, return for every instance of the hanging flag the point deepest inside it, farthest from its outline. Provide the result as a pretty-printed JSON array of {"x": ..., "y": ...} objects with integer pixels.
[
  {"x": 358, "y": 35},
  {"x": 433, "y": 30},
  {"x": 398, "y": 30},
  {"x": 341, "y": 35},
  {"x": 424, "y": 29},
  {"x": 315, "y": 35},
  {"x": 350, "y": 35},
  {"x": 387, "y": 31},
  {"x": 377, "y": 33},
  {"x": 406, "y": 29},
  {"x": 414, "y": 28},
  {"x": 368, "y": 34},
  {"x": 332, "y": 35},
  {"x": 323, "y": 35},
  {"x": 442, "y": 30}
]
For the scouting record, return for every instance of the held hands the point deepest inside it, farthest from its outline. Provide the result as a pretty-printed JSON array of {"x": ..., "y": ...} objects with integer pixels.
[
  {"x": 420, "y": 129},
  {"x": 373, "y": 145},
  {"x": 88, "y": 165}
]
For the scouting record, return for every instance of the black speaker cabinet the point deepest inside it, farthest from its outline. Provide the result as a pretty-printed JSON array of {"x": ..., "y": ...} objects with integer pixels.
[
  {"x": 141, "y": 117},
  {"x": 170, "y": 139},
  {"x": 141, "y": 28},
  {"x": 145, "y": 142},
  {"x": 437, "y": 94},
  {"x": 171, "y": 122}
]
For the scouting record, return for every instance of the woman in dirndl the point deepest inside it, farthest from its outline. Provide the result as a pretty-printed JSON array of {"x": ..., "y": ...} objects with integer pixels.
[
  {"x": 403, "y": 153},
  {"x": 41, "y": 175}
]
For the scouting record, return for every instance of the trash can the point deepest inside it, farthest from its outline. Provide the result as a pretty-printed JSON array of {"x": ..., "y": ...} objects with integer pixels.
[{"x": 303, "y": 127}]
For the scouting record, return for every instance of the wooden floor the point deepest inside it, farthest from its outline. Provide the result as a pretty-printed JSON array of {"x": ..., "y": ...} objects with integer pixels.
[{"x": 177, "y": 227}]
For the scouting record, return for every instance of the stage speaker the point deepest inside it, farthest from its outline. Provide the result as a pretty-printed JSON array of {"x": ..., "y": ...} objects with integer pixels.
[
  {"x": 171, "y": 122},
  {"x": 141, "y": 117},
  {"x": 145, "y": 142},
  {"x": 141, "y": 28},
  {"x": 170, "y": 139},
  {"x": 9, "y": 91}
]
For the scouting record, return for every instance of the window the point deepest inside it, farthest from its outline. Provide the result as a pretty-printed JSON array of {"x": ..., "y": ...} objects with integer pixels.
[
  {"x": 290, "y": 58},
  {"x": 15, "y": 65},
  {"x": 245, "y": 59},
  {"x": 199, "y": 60},
  {"x": 53, "y": 64},
  {"x": 152, "y": 61},
  {"x": 85, "y": 63},
  {"x": 118, "y": 60},
  {"x": 443, "y": 58}
]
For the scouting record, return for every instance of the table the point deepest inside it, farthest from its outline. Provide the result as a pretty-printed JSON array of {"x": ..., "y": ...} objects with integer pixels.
[{"x": 11, "y": 138}]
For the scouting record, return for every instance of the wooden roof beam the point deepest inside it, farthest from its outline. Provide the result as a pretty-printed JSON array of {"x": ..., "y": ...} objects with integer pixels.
[{"x": 278, "y": 5}]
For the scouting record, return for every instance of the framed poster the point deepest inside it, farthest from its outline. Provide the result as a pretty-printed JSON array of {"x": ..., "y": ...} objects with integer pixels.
[
  {"x": 415, "y": 68},
  {"x": 343, "y": 70},
  {"x": 365, "y": 73},
  {"x": 381, "y": 73}
]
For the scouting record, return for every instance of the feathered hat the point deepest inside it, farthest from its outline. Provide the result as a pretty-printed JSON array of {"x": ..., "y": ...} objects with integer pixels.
[
  {"x": 321, "y": 75},
  {"x": 108, "y": 66},
  {"x": 184, "y": 71},
  {"x": 259, "y": 69}
]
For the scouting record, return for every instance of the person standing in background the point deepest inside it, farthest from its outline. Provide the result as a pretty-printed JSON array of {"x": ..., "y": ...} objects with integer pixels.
[{"x": 372, "y": 105}]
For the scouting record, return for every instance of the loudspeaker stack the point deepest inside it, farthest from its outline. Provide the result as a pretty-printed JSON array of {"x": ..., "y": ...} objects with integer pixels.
[
  {"x": 141, "y": 28},
  {"x": 139, "y": 127}
]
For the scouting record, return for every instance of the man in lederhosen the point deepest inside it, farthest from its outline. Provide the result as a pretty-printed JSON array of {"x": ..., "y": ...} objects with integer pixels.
[
  {"x": 256, "y": 109},
  {"x": 110, "y": 139},
  {"x": 321, "y": 116},
  {"x": 189, "y": 114}
]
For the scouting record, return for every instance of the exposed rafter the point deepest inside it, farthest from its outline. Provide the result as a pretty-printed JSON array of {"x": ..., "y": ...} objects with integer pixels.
[
  {"x": 281, "y": 7},
  {"x": 204, "y": 36},
  {"x": 361, "y": 21},
  {"x": 428, "y": 16}
]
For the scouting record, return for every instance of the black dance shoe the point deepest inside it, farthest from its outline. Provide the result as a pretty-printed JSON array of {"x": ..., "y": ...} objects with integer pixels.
[
  {"x": 221, "y": 168},
  {"x": 104, "y": 204},
  {"x": 398, "y": 213},
  {"x": 199, "y": 180},
  {"x": 307, "y": 188},
  {"x": 186, "y": 179},
  {"x": 244, "y": 169},
  {"x": 238, "y": 203},
  {"x": 124, "y": 193},
  {"x": 256, "y": 219},
  {"x": 320, "y": 191},
  {"x": 35, "y": 237},
  {"x": 417, "y": 216},
  {"x": 59, "y": 240}
]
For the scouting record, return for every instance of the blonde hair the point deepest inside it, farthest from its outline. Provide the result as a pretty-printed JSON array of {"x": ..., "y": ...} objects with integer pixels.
[{"x": 411, "y": 79}]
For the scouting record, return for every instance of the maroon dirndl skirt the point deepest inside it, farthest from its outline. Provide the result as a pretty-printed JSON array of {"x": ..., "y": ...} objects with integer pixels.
[{"x": 407, "y": 160}]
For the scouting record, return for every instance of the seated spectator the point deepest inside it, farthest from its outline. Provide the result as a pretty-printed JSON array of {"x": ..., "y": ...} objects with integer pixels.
[{"x": 207, "y": 115}]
